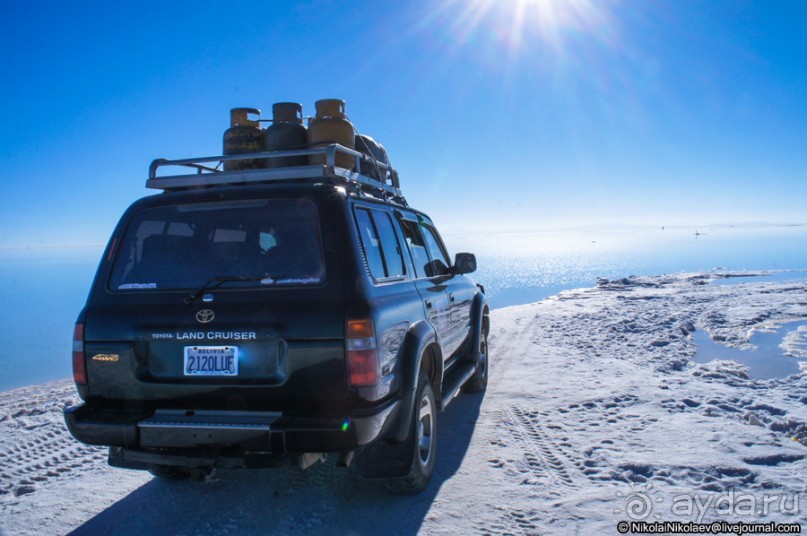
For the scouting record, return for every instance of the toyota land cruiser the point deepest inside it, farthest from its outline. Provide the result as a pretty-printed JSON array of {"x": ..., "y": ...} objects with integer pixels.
[{"x": 251, "y": 317}]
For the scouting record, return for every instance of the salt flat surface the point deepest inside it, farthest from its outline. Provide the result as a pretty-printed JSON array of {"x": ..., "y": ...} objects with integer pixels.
[{"x": 594, "y": 414}]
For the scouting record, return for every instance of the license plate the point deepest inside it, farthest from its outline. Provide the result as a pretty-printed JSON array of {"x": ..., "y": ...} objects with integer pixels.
[{"x": 211, "y": 361}]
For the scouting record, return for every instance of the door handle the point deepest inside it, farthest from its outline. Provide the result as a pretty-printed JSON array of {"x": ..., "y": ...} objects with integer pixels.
[
  {"x": 428, "y": 304},
  {"x": 451, "y": 297}
]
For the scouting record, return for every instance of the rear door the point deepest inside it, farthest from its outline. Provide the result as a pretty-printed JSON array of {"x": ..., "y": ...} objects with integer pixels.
[{"x": 226, "y": 304}]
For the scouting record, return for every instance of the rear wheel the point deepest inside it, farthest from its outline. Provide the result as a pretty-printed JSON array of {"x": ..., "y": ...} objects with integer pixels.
[
  {"x": 479, "y": 381},
  {"x": 423, "y": 434}
]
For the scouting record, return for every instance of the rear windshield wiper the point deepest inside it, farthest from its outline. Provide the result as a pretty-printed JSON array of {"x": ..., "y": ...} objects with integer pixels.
[{"x": 217, "y": 281}]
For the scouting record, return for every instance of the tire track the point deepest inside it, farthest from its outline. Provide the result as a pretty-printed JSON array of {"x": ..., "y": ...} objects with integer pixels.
[
  {"x": 539, "y": 450},
  {"x": 544, "y": 449},
  {"x": 512, "y": 521},
  {"x": 506, "y": 344},
  {"x": 37, "y": 448}
]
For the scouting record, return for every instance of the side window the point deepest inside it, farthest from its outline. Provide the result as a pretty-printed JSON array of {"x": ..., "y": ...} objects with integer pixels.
[
  {"x": 390, "y": 248},
  {"x": 371, "y": 243},
  {"x": 440, "y": 264},
  {"x": 380, "y": 244},
  {"x": 414, "y": 241}
]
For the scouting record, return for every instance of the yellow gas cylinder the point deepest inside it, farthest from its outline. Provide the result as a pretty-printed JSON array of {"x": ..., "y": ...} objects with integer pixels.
[
  {"x": 331, "y": 126},
  {"x": 243, "y": 136}
]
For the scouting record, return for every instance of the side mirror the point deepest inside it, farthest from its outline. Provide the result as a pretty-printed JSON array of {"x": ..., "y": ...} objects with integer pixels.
[{"x": 464, "y": 263}]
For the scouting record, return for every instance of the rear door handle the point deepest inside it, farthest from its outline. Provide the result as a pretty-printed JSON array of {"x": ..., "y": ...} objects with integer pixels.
[
  {"x": 451, "y": 297},
  {"x": 428, "y": 304}
]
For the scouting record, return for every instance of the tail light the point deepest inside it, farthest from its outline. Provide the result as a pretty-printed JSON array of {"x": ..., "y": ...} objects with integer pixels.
[
  {"x": 79, "y": 364},
  {"x": 362, "y": 356}
]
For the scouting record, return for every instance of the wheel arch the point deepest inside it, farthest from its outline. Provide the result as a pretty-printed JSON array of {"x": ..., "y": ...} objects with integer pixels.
[
  {"x": 480, "y": 320},
  {"x": 421, "y": 352}
]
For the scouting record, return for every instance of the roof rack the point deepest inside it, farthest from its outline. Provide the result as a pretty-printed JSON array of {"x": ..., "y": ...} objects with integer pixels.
[{"x": 387, "y": 188}]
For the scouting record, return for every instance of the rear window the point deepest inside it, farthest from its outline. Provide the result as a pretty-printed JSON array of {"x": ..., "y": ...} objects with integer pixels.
[{"x": 258, "y": 242}]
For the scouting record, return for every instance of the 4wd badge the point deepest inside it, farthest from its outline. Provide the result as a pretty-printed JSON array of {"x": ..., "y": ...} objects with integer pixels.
[{"x": 205, "y": 315}]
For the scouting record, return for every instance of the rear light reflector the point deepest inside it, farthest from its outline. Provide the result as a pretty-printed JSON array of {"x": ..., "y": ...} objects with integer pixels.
[
  {"x": 362, "y": 356},
  {"x": 79, "y": 364}
]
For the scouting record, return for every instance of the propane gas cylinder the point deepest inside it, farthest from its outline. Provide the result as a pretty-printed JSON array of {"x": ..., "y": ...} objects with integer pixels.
[
  {"x": 286, "y": 133},
  {"x": 243, "y": 136},
  {"x": 331, "y": 126}
]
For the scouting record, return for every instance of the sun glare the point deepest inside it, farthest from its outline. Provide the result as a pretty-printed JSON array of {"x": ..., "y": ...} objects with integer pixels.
[
  {"x": 506, "y": 47},
  {"x": 519, "y": 25}
]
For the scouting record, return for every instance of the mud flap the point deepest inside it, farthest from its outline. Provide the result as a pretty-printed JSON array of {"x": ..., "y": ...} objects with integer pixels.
[
  {"x": 385, "y": 460},
  {"x": 392, "y": 457}
]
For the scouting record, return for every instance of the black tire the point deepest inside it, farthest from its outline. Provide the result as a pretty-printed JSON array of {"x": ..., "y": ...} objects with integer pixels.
[
  {"x": 170, "y": 472},
  {"x": 423, "y": 438},
  {"x": 479, "y": 381}
]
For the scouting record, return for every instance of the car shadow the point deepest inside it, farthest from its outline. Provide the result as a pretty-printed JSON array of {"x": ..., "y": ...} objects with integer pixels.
[{"x": 321, "y": 500}]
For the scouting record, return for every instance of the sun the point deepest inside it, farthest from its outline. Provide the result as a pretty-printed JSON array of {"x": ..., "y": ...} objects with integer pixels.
[
  {"x": 518, "y": 24},
  {"x": 513, "y": 45}
]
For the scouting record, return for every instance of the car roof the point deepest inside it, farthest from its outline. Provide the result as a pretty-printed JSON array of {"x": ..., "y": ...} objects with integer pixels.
[{"x": 315, "y": 190}]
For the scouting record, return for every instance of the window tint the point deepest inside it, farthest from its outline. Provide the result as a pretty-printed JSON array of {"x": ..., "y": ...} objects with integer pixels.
[
  {"x": 414, "y": 241},
  {"x": 389, "y": 244},
  {"x": 183, "y": 246},
  {"x": 371, "y": 244},
  {"x": 381, "y": 248},
  {"x": 440, "y": 264}
]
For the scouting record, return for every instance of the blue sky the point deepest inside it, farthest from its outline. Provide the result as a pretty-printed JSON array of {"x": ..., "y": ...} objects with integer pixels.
[{"x": 499, "y": 114}]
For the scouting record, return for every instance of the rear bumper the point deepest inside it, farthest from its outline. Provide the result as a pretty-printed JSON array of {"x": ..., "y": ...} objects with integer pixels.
[{"x": 192, "y": 433}]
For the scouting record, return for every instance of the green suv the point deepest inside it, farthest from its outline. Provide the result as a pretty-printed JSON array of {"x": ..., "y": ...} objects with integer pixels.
[{"x": 250, "y": 318}]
